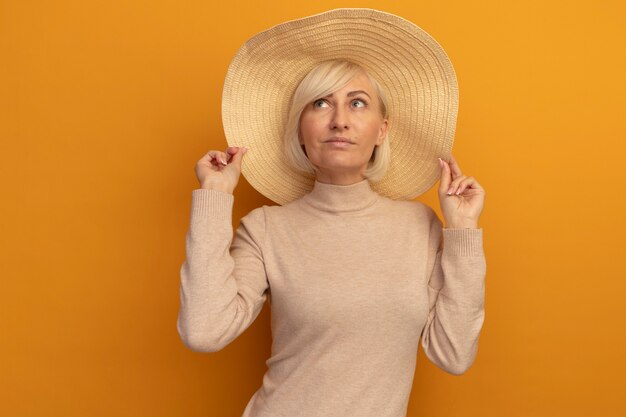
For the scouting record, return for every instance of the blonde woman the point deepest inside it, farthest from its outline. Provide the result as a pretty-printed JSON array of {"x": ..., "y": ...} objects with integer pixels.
[{"x": 354, "y": 278}]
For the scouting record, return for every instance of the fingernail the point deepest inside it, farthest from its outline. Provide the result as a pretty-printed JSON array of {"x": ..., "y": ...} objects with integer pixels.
[{"x": 440, "y": 162}]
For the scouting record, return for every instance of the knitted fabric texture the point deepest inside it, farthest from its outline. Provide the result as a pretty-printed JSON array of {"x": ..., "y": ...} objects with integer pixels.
[{"x": 354, "y": 281}]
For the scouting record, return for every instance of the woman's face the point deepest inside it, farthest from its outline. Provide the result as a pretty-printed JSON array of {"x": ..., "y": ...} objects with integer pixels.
[{"x": 339, "y": 131}]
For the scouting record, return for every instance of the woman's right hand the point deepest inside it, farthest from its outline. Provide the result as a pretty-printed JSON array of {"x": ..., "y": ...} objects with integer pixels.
[{"x": 220, "y": 170}]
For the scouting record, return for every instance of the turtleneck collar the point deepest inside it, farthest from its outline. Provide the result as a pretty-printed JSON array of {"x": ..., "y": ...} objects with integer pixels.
[{"x": 341, "y": 198}]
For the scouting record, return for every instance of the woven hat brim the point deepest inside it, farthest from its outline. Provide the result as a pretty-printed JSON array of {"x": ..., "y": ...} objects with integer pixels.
[{"x": 412, "y": 68}]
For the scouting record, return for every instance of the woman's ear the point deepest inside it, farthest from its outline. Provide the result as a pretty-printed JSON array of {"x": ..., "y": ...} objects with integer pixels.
[{"x": 382, "y": 133}]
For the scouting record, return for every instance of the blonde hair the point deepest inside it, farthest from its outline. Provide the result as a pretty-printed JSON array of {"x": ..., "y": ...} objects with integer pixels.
[{"x": 324, "y": 79}]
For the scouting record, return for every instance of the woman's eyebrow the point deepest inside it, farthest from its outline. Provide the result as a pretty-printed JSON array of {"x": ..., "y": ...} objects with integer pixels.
[
  {"x": 354, "y": 93},
  {"x": 351, "y": 93}
]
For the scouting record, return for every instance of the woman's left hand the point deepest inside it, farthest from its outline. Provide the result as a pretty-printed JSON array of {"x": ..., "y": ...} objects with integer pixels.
[{"x": 461, "y": 197}]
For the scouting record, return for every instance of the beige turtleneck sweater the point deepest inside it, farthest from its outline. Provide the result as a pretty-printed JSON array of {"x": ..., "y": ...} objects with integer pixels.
[{"x": 353, "y": 279}]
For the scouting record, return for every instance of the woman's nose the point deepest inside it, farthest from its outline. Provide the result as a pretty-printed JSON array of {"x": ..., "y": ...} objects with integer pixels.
[{"x": 339, "y": 119}]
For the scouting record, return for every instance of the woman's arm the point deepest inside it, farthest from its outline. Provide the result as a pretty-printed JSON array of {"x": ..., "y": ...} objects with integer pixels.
[
  {"x": 223, "y": 283},
  {"x": 456, "y": 297}
]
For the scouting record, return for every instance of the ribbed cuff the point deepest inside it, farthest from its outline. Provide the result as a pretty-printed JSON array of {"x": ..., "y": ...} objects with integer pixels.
[
  {"x": 463, "y": 242},
  {"x": 211, "y": 203}
]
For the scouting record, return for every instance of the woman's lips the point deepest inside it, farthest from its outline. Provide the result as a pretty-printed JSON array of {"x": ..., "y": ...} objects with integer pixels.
[
  {"x": 340, "y": 141},
  {"x": 339, "y": 144}
]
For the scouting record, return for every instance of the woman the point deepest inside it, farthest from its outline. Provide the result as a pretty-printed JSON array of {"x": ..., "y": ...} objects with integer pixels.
[{"x": 355, "y": 277}]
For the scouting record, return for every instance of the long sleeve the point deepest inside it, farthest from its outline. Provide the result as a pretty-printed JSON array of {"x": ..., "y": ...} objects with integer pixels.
[
  {"x": 223, "y": 282},
  {"x": 456, "y": 297}
]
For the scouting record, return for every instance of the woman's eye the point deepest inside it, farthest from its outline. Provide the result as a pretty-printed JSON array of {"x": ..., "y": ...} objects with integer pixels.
[
  {"x": 320, "y": 103},
  {"x": 358, "y": 103}
]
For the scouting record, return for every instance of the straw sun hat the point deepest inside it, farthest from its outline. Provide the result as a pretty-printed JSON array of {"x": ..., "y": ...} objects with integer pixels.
[{"x": 410, "y": 65}]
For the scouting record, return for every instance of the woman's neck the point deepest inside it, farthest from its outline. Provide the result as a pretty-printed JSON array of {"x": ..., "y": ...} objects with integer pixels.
[
  {"x": 337, "y": 198},
  {"x": 339, "y": 178}
]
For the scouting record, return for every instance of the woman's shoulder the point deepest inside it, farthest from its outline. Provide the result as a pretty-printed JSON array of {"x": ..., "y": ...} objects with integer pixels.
[
  {"x": 414, "y": 208},
  {"x": 261, "y": 213}
]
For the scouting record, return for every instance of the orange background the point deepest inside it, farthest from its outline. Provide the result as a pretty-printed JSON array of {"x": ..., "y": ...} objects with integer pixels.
[{"x": 105, "y": 107}]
